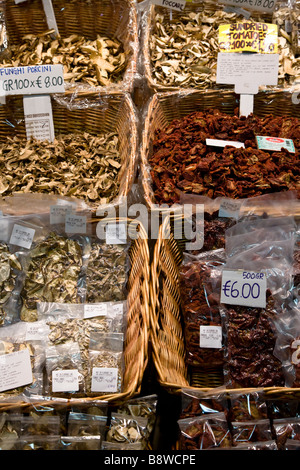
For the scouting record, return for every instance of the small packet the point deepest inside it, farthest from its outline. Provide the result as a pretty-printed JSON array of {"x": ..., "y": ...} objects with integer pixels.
[
  {"x": 106, "y": 366},
  {"x": 42, "y": 406},
  {"x": 144, "y": 407},
  {"x": 10, "y": 430},
  {"x": 93, "y": 407},
  {"x": 197, "y": 403},
  {"x": 122, "y": 446},
  {"x": 64, "y": 370},
  {"x": 254, "y": 431},
  {"x": 40, "y": 425},
  {"x": 82, "y": 424},
  {"x": 286, "y": 428},
  {"x": 129, "y": 429},
  {"x": 245, "y": 406},
  {"x": 204, "y": 432},
  {"x": 265, "y": 445},
  {"x": 290, "y": 444},
  {"x": 47, "y": 442},
  {"x": 81, "y": 443}
]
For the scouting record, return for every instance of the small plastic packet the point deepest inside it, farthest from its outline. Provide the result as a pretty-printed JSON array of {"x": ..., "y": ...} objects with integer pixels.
[
  {"x": 245, "y": 406},
  {"x": 251, "y": 431},
  {"x": 197, "y": 402},
  {"x": 90, "y": 406},
  {"x": 199, "y": 282},
  {"x": 46, "y": 442},
  {"x": 290, "y": 444},
  {"x": 128, "y": 429},
  {"x": 286, "y": 428},
  {"x": 122, "y": 446},
  {"x": 26, "y": 359},
  {"x": 41, "y": 406},
  {"x": 265, "y": 445},
  {"x": 64, "y": 371},
  {"x": 81, "y": 443},
  {"x": 40, "y": 425},
  {"x": 82, "y": 424},
  {"x": 106, "y": 363},
  {"x": 204, "y": 432},
  {"x": 144, "y": 407},
  {"x": 10, "y": 430}
]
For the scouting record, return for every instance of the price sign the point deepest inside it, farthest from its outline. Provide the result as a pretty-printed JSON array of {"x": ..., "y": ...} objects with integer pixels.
[
  {"x": 177, "y": 5},
  {"x": 33, "y": 79},
  {"x": 248, "y": 36},
  {"x": 241, "y": 287},
  {"x": 255, "y": 5}
]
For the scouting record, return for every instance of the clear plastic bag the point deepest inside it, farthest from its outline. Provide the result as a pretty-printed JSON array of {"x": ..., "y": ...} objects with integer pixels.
[
  {"x": 40, "y": 425},
  {"x": 81, "y": 443},
  {"x": 204, "y": 432},
  {"x": 286, "y": 428},
  {"x": 144, "y": 407},
  {"x": 128, "y": 429},
  {"x": 251, "y": 431},
  {"x": 245, "y": 406},
  {"x": 47, "y": 442},
  {"x": 83, "y": 424},
  {"x": 198, "y": 403}
]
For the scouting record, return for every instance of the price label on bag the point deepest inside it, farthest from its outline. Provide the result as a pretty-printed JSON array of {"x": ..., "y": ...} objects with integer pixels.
[
  {"x": 241, "y": 287},
  {"x": 32, "y": 79}
]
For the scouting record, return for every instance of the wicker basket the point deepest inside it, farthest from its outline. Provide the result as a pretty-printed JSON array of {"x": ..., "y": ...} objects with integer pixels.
[
  {"x": 163, "y": 108},
  {"x": 138, "y": 322},
  {"x": 94, "y": 113},
  {"x": 167, "y": 336},
  {"x": 114, "y": 19},
  {"x": 149, "y": 23}
]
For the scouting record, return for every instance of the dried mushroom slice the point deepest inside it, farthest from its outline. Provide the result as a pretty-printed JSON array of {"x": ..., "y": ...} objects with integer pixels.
[
  {"x": 52, "y": 274},
  {"x": 95, "y": 62},
  {"x": 79, "y": 165}
]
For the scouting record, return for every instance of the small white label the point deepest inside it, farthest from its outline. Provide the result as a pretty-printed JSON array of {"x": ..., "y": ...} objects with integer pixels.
[
  {"x": 22, "y": 236},
  {"x": 65, "y": 380},
  {"x": 58, "y": 213},
  {"x": 177, "y": 5},
  {"x": 275, "y": 143},
  {"x": 229, "y": 208},
  {"x": 247, "y": 71},
  {"x": 36, "y": 331},
  {"x": 32, "y": 80},
  {"x": 38, "y": 117},
  {"x": 118, "y": 309},
  {"x": 15, "y": 370},
  {"x": 223, "y": 143},
  {"x": 95, "y": 310},
  {"x": 75, "y": 223},
  {"x": 242, "y": 287},
  {"x": 254, "y": 5},
  {"x": 104, "y": 379},
  {"x": 210, "y": 336},
  {"x": 116, "y": 234}
]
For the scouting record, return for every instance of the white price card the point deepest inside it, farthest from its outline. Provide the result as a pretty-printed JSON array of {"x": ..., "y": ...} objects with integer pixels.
[
  {"x": 229, "y": 208},
  {"x": 22, "y": 236},
  {"x": 15, "y": 370},
  {"x": 104, "y": 379},
  {"x": 255, "y": 5},
  {"x": 177, "y": 5},
  {"x": 32, "y": 80},
  {"x": 116, "y": 234},
  {"x": 242, "y": 287},
  {"x": 75, "y": 223},
  {"x": 58, "y": 213},
  {"x": 210, "y": 336},
  {"x": 65, "y": 380},
  {"x": 38, "y": 117},
  {"x": 95, "y": 310}
]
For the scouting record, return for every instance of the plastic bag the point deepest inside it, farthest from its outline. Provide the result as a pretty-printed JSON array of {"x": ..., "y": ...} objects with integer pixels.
[
  {"x": 129, "y": 429},
  {"x": 198, "y": 402},
  {"x": 287, "y": 428},
  {"x": 106, "y": 445},
  {"x": 199, "y": 281},
  {"x": 81, "y": 443},
  {"x": 64, "y": 370},
  {"x": 204, "y": 432},
  {"x": 287, "y": 347},
  {"x": 245, "y": 406},
  {"x": 83, "y": 424},
  {"x": 106, "y": 363},
  {"x": 47, "y": 442},
  {"x": 40, "y": 425},
  {"x": 251, "y": 431},
  {"x": 10, "y": 430},
  {"x": 265, "y": 445},
  {"x": 144, "y": 407}
]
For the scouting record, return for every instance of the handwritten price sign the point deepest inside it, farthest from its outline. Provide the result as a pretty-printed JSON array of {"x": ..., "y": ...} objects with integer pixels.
[{"x": 246, "y": 288}]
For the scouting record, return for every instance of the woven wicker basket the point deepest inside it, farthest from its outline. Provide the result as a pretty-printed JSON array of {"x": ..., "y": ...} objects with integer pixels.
[
  {"x": 149, "y": 24},
  {"x": 95, "y": 113},
  {"x": 114, "y": 19},
  {"x": 167, "y": 336},
  {"x": 137, "y": 318},
  {"x": 163, "y": 108}
]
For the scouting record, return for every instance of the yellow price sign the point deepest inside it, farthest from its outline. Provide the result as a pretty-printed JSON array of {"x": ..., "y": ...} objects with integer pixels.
[{"x": 248, "y": 36}]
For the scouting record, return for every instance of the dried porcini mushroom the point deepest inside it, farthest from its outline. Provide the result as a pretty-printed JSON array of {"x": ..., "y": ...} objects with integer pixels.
[
  {"x": 79, "y": 165},
  {"x": 182, "y": 161},
  {"x": 52, "y": 274},
  {"x": 9, "y": 268},
  {"x": 106, "y": 273},
  {"x": 96, "y": 62},
  {"x": 183, "y": 51},
  {"x": 127, "y": 429}
]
